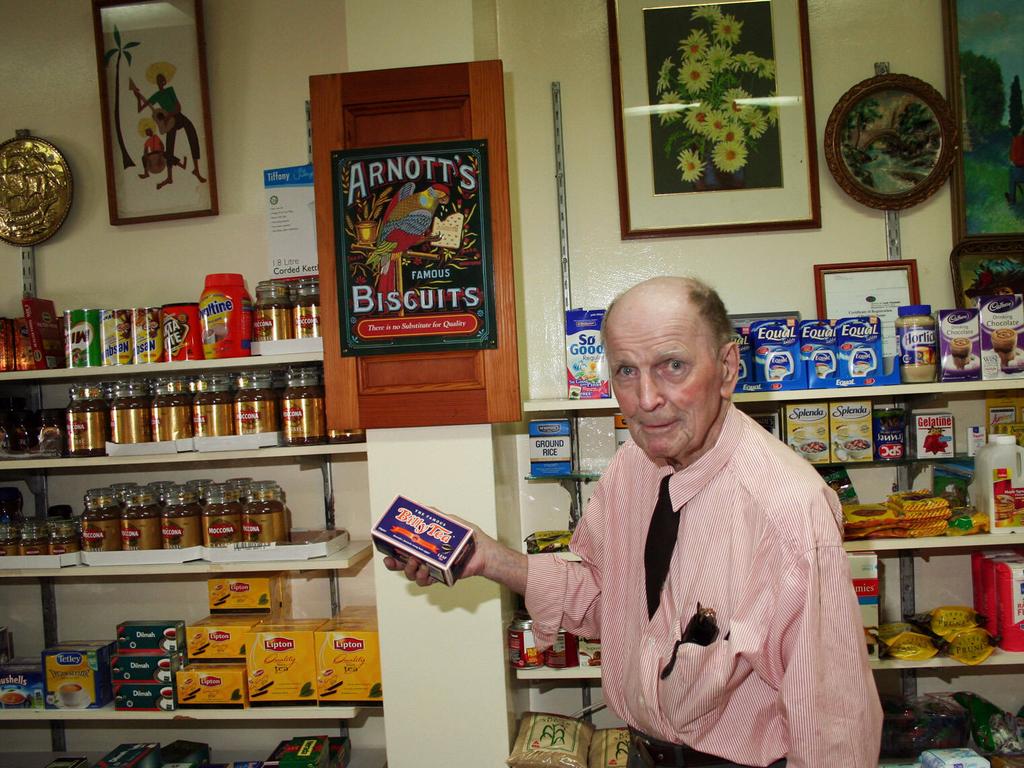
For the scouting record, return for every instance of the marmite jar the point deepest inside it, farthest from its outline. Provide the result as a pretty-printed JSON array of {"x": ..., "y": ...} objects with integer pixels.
[
  {"x": 263, "y": 516},
  {"x": 302, "y": 408},
  {"x": 35, "y": 538},
  {"x": 255, "y": 403},
  {"x": 140, "y": 522},
  {"x": 222, "y": 517},
  {"x": 172, "y": 409},
  {"x": 273, "y": 315},
  {"x": 307, "y": 308},
  {"x": 181, "y": 522},
  {"x": 131, "y": 412},
  {"x": 213, "y": 407},
  {"x": 88, "y": 421},
  {"x": 101, "y": 521},
  {"x": 64, "y": 536},
  {"x": 10, "y": 537}
]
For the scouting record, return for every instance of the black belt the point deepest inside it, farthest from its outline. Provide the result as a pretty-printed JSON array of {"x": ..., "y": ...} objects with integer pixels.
[{"x": 664, "y": 753}]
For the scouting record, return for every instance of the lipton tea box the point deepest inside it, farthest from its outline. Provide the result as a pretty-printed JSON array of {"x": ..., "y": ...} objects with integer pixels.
[
  {"x": 348, "y": 658},
  {"x": 220, "y": 639},
  {"x": 247, "y": 594},
  {"x": 281, "y": 661},
  {"x": 78, "y": 675},
  {"x": 212, "y": 685}
]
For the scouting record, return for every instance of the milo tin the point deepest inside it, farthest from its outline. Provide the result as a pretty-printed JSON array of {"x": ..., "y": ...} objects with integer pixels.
[
  {"x": 147, "y": 335},
  {"x": 522, "y": 648},
  {"x": 116, "y": 336},
  {"x": 889, "y": 428},
  {"x": 83, "y": 338}
]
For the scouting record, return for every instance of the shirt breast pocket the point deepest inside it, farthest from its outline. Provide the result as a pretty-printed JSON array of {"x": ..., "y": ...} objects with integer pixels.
[{"x": 697, "y": 683}]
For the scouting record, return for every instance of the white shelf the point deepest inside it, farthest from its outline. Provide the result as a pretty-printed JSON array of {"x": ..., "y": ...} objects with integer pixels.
[
  {"x": 253, "y": 713},
  {"x": 160, "y": 369},
  {"x": 937, "y": 542},
  {"x": 195, "y": 457},
  {"x": 549, "y": 673},
  {"x": 355, "y": 553},
  {"x": 361, "y": 757},
  {"x": 894, "y": 391}
]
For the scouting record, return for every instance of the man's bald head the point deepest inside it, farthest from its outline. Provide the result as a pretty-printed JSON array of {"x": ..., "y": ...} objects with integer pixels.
[{"x": 702, "y": 299}]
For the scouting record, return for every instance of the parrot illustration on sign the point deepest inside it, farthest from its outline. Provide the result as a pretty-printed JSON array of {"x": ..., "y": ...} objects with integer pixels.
[{"x": 406, "y": 223}]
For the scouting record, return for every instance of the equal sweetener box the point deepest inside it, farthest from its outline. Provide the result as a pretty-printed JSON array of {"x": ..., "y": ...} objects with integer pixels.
[
  {"x": 776, "y": 352},
  {"x": 818, "y": 352},
  {"x": 1002, "y": 323},
  {"x": 409, "y": 529},
  {"x": 859, "y": 350},
  {"x": 741, "y": 335},
  {"x": 586, "y": 368},
  {"x": 959, "y": 345}
]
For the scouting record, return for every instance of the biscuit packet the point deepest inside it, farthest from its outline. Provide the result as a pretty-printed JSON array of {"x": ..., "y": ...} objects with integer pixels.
[
  {"x": 903, "y": 641},
  {"x": 609, "y": 748},
  {"x": 947, "y": 620},
  {"x": 547, "y": 741}
]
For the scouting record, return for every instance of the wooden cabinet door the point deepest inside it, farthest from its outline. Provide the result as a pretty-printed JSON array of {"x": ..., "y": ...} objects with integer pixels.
[{"x": 407, "y": 106}]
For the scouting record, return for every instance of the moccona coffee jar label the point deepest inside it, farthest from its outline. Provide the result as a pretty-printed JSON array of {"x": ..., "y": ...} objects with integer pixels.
[
  {"x": 131, "y": 412},
  {"x": 140, "y": 522},
  {"x": 101, "y": 521},
  {"x": 172, "y": 409},
  {"x": 302, "y": 408},
  {"x": 255, "y": 403},
  {"x": 213, "y": 407},
  {"x": 222, "y": 517},
  {"x": 87, "y": 421},
  {"x": 181, "y": 522}
]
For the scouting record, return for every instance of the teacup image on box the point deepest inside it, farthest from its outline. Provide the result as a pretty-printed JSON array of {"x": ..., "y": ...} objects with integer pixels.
[
  {"x": 959, "y": 345},
  {"x": 1001, "y": 321},
  {"x": 156, "y": 636},
  {"x": 22, "y": 685},
  {"x": 409, "y": 529},
  {"x": 807, "y": 431},
  {"x": 850, "y": 430},
  {"x": 78, "y": 675}
]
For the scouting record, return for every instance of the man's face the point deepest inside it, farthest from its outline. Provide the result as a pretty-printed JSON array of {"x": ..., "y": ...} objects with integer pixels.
[
  {"x": 161, "y": 81},
  {"x": 668, "y": 375}
]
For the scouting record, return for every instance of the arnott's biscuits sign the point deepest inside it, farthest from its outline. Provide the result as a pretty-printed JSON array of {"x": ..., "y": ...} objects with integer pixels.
[{"x": 412, "y": 234}]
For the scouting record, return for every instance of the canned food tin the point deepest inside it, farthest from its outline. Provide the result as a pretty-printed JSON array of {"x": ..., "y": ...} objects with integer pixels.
[
  {"x": 522, "y": 647},
  {"x": 116, "y": 336},
  {"x": 83, "y": 338},
  {"x": 181, "y": 332},
  {"x": 147, "y": 335},
  {"x": 889, "y": 425},
  {"x": 564, "y": 652}
]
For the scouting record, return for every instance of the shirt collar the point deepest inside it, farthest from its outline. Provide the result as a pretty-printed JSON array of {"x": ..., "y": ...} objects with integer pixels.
[{"x": 688, "y": 482}]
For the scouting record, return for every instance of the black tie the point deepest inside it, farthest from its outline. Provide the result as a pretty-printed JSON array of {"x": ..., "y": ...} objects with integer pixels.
[{"x": 661, "y": 540}]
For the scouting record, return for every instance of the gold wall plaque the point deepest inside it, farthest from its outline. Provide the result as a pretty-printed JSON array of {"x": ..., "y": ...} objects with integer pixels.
[{"x": 35, "y": 190}]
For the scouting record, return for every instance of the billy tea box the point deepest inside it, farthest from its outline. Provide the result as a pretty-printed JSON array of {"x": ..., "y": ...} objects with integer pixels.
[
  {"x": 281, "y": 662},
  {"x": 959, "y": 345},
  {"x": 78, "y": 674},
  {"x": 550, "y": 448},
  {"x": 586, "y": 368},
  {"x": 221, "y": 686},
  {"x": 348, "y": 658},
  {"x": 408, "y": 529},
  {"x": 1002, "y": 325}
]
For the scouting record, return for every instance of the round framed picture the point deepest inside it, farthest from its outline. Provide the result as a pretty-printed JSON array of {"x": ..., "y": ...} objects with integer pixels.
[{"x": 890, "y": 141}]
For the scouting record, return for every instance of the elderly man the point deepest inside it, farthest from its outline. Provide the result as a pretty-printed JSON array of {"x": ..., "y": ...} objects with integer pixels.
[{"x": 712, "y": 565}]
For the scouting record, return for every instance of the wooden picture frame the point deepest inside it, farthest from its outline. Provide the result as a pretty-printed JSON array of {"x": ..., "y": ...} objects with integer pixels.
[
  {"x": 890, "y": 141},
  {"x": 714, "y": 117},
  {"x": 982, "y": 61},
  {"x": 154, "y": 105},
  {"x": 983, "y": 266},
  {"x": 862, "y": 287}
]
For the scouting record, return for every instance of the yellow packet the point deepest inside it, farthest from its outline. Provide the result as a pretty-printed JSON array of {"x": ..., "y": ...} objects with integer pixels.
[
  {"x": 547, "y": 541},
  {"x": 947, "y": 620},
  {"x": 970, "y": 646},
  {"x": 901, "y": 641}
]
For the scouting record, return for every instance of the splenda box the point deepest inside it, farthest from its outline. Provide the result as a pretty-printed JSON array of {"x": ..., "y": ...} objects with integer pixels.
[{"x": 409, "y": 529}]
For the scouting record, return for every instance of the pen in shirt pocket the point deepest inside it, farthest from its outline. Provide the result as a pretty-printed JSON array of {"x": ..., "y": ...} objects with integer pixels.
[{"x": 701, "y": 629}]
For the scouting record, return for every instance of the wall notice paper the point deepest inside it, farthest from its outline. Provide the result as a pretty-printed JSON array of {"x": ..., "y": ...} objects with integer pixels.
[{"x": 291, "y": 222}]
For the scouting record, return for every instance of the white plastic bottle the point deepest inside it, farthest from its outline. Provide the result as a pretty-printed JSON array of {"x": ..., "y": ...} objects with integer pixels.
[{"x": 998, "y": 487}]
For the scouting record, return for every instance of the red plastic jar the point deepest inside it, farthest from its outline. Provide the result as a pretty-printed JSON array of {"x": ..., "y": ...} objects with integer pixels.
[{"x": 225, "y": 316}]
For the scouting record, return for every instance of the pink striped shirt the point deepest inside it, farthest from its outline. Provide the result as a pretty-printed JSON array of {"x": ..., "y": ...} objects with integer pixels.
[{"x": 759, "y": 541}]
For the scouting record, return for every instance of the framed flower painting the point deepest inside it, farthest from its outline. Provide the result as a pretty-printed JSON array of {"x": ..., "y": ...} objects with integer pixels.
[{"x": 714, "y": 120}]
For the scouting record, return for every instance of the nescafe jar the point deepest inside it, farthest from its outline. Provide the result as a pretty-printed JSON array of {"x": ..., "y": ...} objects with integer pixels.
[
  {"x": 101, "y": 521},
  {"x": 131, "y": 413},
  {"x": 263, "y": 516},
  {"x": 273, "y": 316},
  {"x": 302, "y": 408},
  {"x": 171, "y": 416},
  {"x": 181, "y": 522},
  {"x": 307, "y": 308},
  {"x": 88, "y": 421},
  {"x": 140, "y": 522},
  {"x": 222, "y": 517},
  {"x": 255, "y": 403},
  {"x": 213, "y": 407}
]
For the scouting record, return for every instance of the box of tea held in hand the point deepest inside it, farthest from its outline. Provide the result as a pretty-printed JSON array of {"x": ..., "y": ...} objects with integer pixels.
[
  {"x": 78, "y": 675},
  {"x": 409, "y": 529}
]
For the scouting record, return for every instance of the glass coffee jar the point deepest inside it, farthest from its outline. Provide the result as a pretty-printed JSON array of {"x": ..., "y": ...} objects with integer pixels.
[
  {"x": 140, "y": 522},
  {"x": 263, "y": 516},
  {"x": 64, "y": 536},
  {"x": 101, "y": 521},
  {"x": 10, "y": 537},
  {"x": 307, "y": 308},
  {"x": 181, "y": 522},
  {"x": 255, "y": 403},
  {"x": 35, "y": 538},
  {"x": 122, "y": 492},
  {"x": 131, "y": 412},
  {"x": 272, "y": 317},
  {"x": 160, "y": 488},
  {"x": 171, "y": 417},
  {"x": 222, "y": 517},
  {"x": 52, "y": 423},
  {"x": 88, "y": 421},
  {"x": 302, "y": 408},
  {"x": 213, "y": 406},
  {"x": 201, "y": 485}
]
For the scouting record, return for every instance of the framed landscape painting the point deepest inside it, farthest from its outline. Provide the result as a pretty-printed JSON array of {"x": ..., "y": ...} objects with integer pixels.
[
  {"x": 984, "y": 67},
  {"x": 714, "y": 121}
]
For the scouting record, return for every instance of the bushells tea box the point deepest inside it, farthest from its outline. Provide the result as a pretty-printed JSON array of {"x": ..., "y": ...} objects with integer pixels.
[
  {"x": 21, "y": 684},
  {"x": 959, "y": 345},
  {"x": 408, "y": 529},
  {"x": 1002, "y": 323},
  {"x": 586, "y": 368}
]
